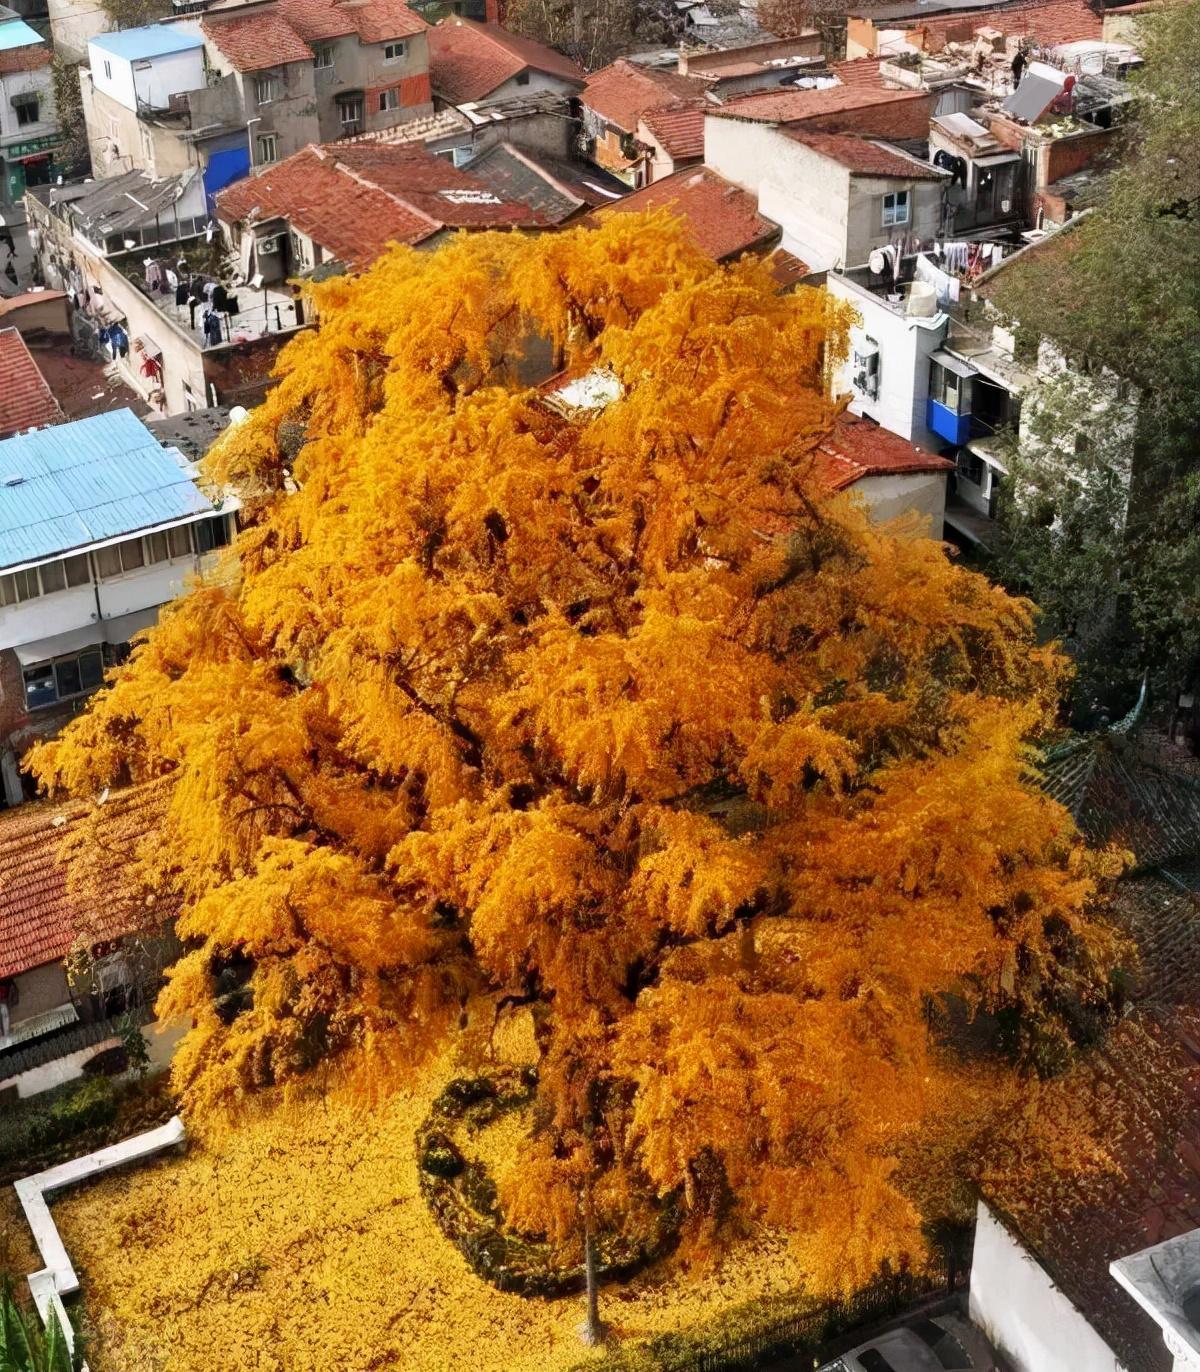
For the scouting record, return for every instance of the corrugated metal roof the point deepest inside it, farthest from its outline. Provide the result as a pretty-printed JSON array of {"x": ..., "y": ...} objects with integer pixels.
[
  {"x": 154, "y": 40},
  {"x": 73, "y": 485}
]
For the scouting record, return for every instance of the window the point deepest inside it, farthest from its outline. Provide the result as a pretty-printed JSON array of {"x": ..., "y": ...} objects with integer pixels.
[
  {"x": 865, "y": 371},
  {"x": 394, "y": 52},
  {"x": 268, "y": 147},
  {"x": 946, "y": 388},
  {"x": 26, "y": 107},
  {"x": 179, "y": 541},
  {"x": 323, "y": 56},
  {"x": 18, "y": 587},
  {"x": 895, "y": 208},
  {"x": 266, "y": 89},
  {"x": 212, "y": 533},
  {"x": 389, "y": 100},
  {"x": 49, "y": 682},
  {"x": 350, "y": 113},
  {"x": 118, "y": 558},
  {"x": 522, "y": 78},
  {"x": 970, "y": 467}
]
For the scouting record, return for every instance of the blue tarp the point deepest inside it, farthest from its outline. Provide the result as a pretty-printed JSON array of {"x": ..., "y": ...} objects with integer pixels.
[{"x": 225, "y": 167}]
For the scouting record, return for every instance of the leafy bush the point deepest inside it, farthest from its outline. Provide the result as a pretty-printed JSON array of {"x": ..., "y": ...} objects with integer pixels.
[
  {"x": 56, "y": 1116},
  {"x": 23, "y": 1346}
]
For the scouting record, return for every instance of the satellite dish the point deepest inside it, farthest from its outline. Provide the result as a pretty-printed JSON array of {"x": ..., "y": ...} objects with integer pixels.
[
  {"x": 255, "y": 282},
  {"x": 238, "y": 413}
]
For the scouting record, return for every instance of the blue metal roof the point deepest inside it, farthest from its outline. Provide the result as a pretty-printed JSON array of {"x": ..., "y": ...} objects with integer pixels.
[
  {"x": 16, "y": 33},
  {"x": 73, "y": 485},
  {"x": 154, "y": 40}
]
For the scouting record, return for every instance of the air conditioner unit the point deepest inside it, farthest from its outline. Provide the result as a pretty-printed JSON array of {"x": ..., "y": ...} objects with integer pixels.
[{"x": 269, "y": 245}]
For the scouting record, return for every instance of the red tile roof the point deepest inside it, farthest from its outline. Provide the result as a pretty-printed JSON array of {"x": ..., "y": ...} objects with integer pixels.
[
  {"x": 786, "y": 268},
  {"x": 38, "y": 914},
  {"x": 864, "y": 156},
  {"x": 32, "y": 57},
  {"x": 26, "y": 401},
  {"x": 400, "y": 193},
  {"x": 1047, "y": 21},
  {"x": 379, "y": 21},
  {"x": 679, "y": 129},
  {"x": 468, "y": 61},
  {"x": 794, "y": 106},
  {"x": 724, "y": 220},
  {"x": 622, "y": 92},
  {"x": 253, "y": 42},
  {"x": 857, "y": 448}
]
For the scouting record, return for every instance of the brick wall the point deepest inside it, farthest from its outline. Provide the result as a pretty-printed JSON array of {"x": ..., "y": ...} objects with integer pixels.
[
  {"x": 1067, "y": 155},
  {"x": 908, "y": 118}
]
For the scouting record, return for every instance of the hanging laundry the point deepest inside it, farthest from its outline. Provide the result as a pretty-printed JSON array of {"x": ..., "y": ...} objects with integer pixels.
[
  {"x": 218, "y": 297},
  {"x": 181, "y": 293},
  {"x": 942, "y": 282},
  {"x": 212, "y": 328},
  {"x": 172, "y": 279},
  {"x": 119, "y": 341}
]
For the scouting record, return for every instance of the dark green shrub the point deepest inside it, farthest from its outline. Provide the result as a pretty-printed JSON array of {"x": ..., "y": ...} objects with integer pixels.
[
  {"x": 93, "y": 1103},
  {"x": 440, "y": 1157}
]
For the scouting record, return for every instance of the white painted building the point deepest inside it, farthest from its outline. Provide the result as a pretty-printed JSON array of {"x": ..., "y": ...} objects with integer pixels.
[
  {"x": 887, "y": 372},
  {"x": 29, "y": 133},
  {"x": 1024, "y": 1313},
  {"x": 837, "y": 197},
  {"x": 100, "y": 525},
  {"x": 141, "y": 69}
]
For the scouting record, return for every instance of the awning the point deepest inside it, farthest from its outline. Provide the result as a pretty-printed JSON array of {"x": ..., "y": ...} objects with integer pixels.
[
  {"x": 952, "y": 363},
  {"x": 59, "y": 645},
  {"x": 33, "y": 157},
  {"x": 996, "y": 159}
]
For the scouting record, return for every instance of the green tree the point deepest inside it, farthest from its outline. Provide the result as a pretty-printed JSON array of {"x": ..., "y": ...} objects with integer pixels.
[{"x": 1119, "y": 294}]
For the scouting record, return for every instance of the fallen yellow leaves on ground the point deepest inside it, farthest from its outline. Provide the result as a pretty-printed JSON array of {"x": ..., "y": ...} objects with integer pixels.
[{"x": 300, "y": 1243}]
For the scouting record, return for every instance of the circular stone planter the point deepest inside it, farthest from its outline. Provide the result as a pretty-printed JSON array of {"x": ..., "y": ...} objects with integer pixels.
[{"x": 462, "y": 1197}]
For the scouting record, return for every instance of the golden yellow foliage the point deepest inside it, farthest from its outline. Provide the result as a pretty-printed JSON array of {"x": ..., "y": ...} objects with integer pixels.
[{"x": 623, "y": 716}]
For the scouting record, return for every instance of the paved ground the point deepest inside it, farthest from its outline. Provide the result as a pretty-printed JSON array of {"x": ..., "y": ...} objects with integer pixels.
[{"x": 83, "y": 387}]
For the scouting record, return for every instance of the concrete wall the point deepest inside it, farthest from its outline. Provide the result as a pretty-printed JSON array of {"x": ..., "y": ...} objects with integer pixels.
[
  {"x": 1027, "y": 1317},
  {"x": 152, "y": 86},
  {"x": 892, "y": 496},
  {"x": 17, "y": 83},
  {"x": 805, "y": 194},
  {"x": 865, "y": 229},
  {"x": 120, "y": 142},
  {"x": 72, "y": 23},
  {"x": 359, "y": 67},
  {"x": 905, "y": 344}
]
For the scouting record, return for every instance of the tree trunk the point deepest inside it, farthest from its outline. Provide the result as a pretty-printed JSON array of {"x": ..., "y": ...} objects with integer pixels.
[
  {"x": 593, "y": 1326},
  {"x": 593, "y": 1331}
]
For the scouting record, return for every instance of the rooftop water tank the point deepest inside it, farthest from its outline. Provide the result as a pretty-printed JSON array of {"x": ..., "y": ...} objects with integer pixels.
[{"x": 922, "y": 300}]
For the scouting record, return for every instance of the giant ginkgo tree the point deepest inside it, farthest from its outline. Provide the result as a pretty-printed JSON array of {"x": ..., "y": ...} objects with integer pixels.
[{"x": 612, "y": 710}]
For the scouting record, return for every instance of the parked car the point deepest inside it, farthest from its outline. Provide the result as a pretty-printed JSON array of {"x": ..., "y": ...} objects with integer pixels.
[{"x": 940, "y": 1343}]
